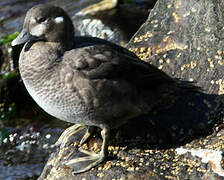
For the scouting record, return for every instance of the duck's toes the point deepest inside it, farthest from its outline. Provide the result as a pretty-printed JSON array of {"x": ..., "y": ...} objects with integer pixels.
[
  {"x": 87, "y": 136},
  {"x": 89, "y": 161},
  {"x": 64, "y": 138}
]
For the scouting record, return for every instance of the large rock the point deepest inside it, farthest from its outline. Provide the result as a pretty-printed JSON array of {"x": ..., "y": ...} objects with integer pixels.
[
  {"x": 184, "y": 39},
  {"x": 108, "y": 20}
]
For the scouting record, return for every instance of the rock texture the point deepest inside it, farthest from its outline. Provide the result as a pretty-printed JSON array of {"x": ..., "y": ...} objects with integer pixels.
[
  {"x": 109, "y": 21},
  {"x": 184, "y": 39}
]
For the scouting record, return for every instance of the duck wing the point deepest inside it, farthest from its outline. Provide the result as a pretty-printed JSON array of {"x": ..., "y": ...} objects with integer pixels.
[{"x": 105, "y": 62}]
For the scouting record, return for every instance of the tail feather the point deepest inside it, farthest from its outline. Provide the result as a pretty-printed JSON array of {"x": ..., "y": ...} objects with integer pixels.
[{"x": 187, "y": 85}]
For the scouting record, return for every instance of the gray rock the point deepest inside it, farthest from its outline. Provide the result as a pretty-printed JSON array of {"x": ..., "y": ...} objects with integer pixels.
[{"x": 185, "y": 39}]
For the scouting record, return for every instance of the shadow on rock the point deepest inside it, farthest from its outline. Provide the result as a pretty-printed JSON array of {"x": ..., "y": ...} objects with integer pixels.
[{"x": 186, "y": 117}]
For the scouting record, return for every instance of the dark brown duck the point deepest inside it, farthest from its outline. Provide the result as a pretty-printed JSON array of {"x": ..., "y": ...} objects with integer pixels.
[{"x": 86, "y": 81}]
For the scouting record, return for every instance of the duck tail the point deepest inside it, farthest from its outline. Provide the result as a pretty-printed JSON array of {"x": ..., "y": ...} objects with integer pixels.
[{"x": 188, "y": 85}]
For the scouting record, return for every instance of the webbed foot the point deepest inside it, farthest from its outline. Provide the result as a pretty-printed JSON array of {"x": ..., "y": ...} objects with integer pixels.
[{"x": 96, "y": 158}]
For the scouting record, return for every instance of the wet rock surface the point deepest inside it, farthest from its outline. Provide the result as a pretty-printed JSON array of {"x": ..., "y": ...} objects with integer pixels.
[
  {"x": 176, "y": 141},
  {"x": 25, "y": 150}
]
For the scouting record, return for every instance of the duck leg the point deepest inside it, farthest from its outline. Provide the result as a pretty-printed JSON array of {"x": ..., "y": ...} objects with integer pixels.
[
  {"x": 64, "y": 138},
  {"x": 96, "y": 158},
  {"x": 88, "y": 135}
]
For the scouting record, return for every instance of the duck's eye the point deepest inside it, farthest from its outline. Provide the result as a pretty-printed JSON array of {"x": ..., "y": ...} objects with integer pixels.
[{"x": 40, "y": 20}]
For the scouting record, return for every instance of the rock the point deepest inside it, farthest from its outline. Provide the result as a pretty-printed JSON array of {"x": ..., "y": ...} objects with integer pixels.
[
  {"x": 184, "y": 39},
  {"x": 107, "y": 21},
  {"x": 25, "y": 151},
  {"x": 196, "y": 160}
]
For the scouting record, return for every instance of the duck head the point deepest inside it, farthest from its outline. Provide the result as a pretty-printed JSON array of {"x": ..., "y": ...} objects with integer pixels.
[{"x": 47, "y": 23}]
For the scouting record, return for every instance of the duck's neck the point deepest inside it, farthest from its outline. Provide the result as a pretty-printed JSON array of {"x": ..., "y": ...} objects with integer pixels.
[{"x": 37, "y": 63}]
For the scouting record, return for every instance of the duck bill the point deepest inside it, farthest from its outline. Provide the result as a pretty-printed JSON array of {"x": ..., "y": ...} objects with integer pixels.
[{"x": 23, "y": 37}]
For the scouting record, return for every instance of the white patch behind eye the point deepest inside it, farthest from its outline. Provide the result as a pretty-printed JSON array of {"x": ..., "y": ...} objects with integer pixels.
[
  {"x": 59, "y": 19},
  {"x": 38, "y": 30},
  {"x": 32, "y": 20}
]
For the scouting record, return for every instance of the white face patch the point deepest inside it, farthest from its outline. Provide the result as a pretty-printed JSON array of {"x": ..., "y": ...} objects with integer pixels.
[
  {"x": 32, "y": 20},
  {"x": 38, "y": 30},
  {"x": 59, "y": 19}
]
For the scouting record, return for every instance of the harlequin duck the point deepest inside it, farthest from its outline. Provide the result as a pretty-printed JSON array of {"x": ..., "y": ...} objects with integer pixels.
[{"x": 84, "y": 80}]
